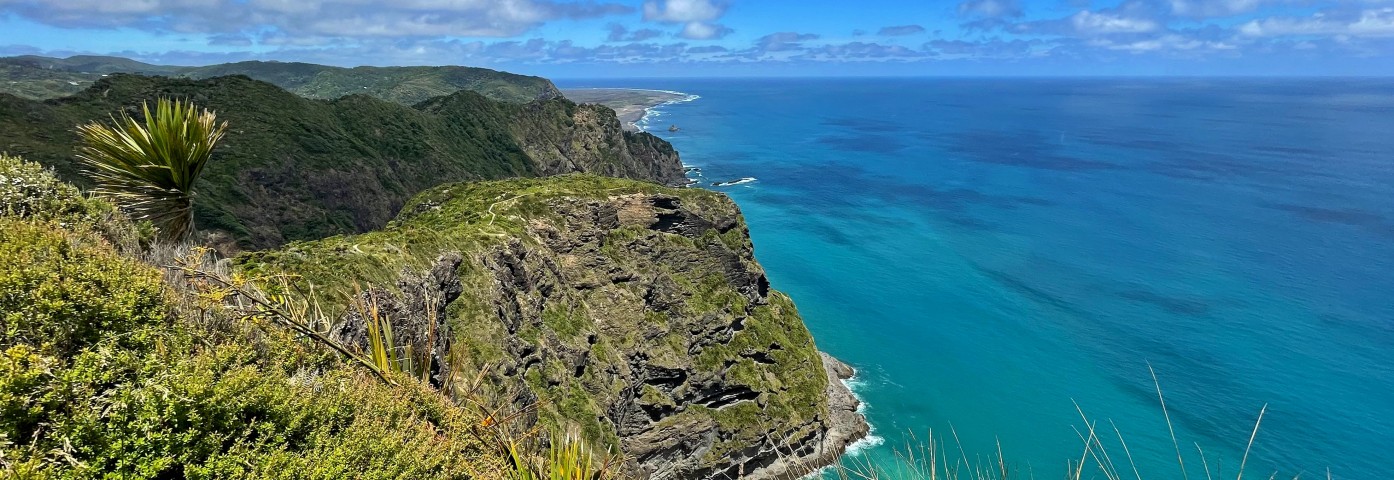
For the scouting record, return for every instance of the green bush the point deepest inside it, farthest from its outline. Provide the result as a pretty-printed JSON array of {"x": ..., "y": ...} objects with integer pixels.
[
  {"x": 28, "y": 190},
  {"x": 61, "y": 292},
  {"x": 98, "y": 381},
  {"x": 224, "y": 412}
]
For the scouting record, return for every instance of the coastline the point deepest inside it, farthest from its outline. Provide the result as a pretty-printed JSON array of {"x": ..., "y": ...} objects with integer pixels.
[
  {"x": 845, "y": 430},
  {"x": 635, "y": 107}
]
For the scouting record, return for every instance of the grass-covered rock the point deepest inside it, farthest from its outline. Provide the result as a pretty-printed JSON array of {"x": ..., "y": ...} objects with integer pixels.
[{"x": 632, "y": 312}]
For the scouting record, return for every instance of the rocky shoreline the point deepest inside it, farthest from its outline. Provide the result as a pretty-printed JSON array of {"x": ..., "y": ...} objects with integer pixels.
[{"x": 844, "y": 426}]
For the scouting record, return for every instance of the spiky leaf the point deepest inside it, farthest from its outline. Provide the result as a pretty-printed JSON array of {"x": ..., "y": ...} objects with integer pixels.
[{"x": 149, "y": 168}]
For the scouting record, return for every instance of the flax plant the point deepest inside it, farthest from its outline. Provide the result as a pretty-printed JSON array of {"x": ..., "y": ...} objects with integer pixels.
[{"x": 149, "y": 168}]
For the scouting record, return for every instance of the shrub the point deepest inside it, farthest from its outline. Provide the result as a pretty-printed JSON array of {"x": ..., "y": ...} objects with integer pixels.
[
  {"x": 97, "y": 381},
  {"x": 61, "y": 292},
  {"x": 28, "y": 190}
]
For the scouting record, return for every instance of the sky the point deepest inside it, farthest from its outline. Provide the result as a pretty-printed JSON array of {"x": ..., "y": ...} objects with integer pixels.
[{"x": 713, "y": 38}]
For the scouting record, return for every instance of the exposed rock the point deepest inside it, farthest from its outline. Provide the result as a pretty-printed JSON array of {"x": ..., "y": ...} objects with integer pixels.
[
  {"x": 592, "y": 140},
  {"x": 416, "y": 311},
  {"x": 632, "y": 312}
]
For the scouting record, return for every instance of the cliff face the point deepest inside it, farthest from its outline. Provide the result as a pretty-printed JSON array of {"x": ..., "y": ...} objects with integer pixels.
[
  {"x": 565, "y": 137},
  {"x": 633, "y": 312},
  {"x": 293, "y": 168}
]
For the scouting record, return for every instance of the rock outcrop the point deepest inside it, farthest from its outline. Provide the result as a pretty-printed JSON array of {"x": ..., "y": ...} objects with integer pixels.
[
  {"x": 565, "y": 137},
  {"x": 634, "y": 313}
]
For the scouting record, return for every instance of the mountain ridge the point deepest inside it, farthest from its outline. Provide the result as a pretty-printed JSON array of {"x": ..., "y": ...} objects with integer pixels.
[
  {"x": 293, "y": 168},
  {"x": 39, "y": 78}
]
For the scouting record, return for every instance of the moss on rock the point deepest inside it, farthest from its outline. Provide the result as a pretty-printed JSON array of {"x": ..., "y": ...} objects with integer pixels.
[{"x": 632, "y": 311}]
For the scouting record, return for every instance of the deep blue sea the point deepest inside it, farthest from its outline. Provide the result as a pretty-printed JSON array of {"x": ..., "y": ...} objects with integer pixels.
[{"x": 991, "y": 252}]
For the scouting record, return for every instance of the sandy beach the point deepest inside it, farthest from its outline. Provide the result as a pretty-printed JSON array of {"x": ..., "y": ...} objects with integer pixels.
[{"x": 629, "y": 104}]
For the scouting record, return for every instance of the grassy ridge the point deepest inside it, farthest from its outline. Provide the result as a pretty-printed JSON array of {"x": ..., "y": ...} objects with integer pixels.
[
  {"x": 593, "y": 337},
  {"x": 38, "y": 78},
  {"x": 293, "y": 168}
]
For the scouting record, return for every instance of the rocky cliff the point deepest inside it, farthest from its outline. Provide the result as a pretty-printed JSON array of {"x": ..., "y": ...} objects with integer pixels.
[
  {"x": 632, "y": 312},
  {"x": 293, "y": 168},
  {"x": 560, "y": 136}
]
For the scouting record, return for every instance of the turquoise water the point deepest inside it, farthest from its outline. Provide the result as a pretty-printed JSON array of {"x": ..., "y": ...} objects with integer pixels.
[{"x": 991, "y": 252}]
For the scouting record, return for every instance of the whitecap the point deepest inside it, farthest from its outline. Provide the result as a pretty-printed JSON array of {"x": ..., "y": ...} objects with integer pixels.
[{"x": 740, "y": 181}]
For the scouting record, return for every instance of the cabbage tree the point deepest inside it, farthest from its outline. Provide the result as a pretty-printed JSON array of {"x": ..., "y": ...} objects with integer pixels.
[{"x": 149, "y": 167}]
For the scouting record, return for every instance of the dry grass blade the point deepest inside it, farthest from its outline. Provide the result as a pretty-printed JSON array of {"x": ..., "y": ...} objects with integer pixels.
[
  {"x": 1127, "y": 452},
  {"x": 1251, "y": 443},
  {"x": 1167, "y": 416},
  {"x": 262, "y": 307}
]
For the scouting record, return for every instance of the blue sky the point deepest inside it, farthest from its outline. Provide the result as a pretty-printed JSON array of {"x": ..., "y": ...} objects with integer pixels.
[{"x": 696, "y": 38}]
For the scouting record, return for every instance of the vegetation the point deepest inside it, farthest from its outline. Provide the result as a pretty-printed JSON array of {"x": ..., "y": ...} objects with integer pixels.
[
  {"x": 293, "y": 168},
  {"x": 481, "y": 219},
  {"x": 28, "y": 190},
  {"x": 40, "y": 78},
  {"x": 403, "y": 85},
  {"x": 111, "y": 367},
  {"x": 150, "y": 169}
]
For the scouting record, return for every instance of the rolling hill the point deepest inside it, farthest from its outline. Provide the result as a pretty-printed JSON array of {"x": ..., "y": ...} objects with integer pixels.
[
  {"x": 39, "y": 78},
  {"x": 295, "y": 168}
]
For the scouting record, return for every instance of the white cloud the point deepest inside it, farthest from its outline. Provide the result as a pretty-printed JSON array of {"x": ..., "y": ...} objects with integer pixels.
[
  {"x": 1169, "y": 42},
  {"x": 697, "y": 16},
  {"x": 314, "y": 18},
  {"x": 682, "y": 11},
  {"x": 1095, "y": 23},
  {"x": 1214, "y": 8},
  {"x": 703, "y": 31},
  {"x": 783, "y": 41},
  {"x": 1369, "y": 23},
  {"x": 990, "y": 8}
]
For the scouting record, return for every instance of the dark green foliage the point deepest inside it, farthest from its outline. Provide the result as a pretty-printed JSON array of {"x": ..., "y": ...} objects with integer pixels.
[
  {"x": 37, "y": 77},
  {"x": 293, "y": 168},
  {"x": 290, "y": 168},
  {"x": 403, "y": 85},
  {"x": 97, "y": 64}
]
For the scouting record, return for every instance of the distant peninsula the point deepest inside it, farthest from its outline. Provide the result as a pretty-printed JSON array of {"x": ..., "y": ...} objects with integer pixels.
[{"x": 630, "y": 104}]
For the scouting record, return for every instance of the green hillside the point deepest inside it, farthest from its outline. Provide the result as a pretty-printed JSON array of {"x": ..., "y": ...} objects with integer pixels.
[
  {"x": 404, "y": 85},
  {"x": 38, "y": 78},
  {"x": 294, "y": 168}
]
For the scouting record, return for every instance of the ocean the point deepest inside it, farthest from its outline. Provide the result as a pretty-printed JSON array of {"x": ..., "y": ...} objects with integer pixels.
[{"x": 996, "y": 255}]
